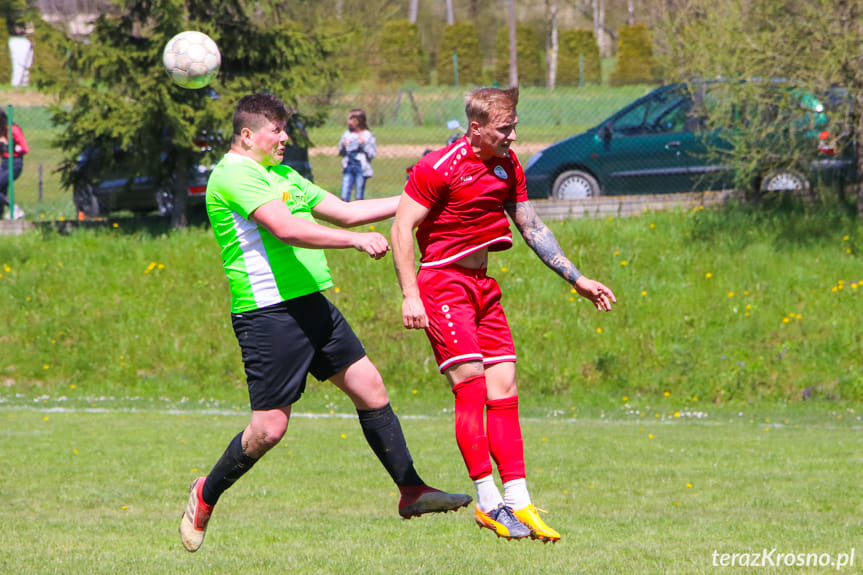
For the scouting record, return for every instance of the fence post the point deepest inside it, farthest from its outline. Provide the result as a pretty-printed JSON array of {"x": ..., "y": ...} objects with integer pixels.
[
  {"x": 455, "y": 67},
  {"x": 581, "y": 70}
]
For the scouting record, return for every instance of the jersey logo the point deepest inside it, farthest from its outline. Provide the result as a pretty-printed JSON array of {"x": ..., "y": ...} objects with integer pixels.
[
  {"x": 286, "y": 196},
  {"x": 466, "y": 178},
  {"x": 500, "y": 172}
]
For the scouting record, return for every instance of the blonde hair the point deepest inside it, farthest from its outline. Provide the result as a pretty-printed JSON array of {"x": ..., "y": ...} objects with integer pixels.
[{"x": 479, "y": 103}]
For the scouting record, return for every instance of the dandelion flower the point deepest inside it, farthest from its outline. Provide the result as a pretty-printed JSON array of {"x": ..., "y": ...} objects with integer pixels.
[{"x": 708, "y": 275}]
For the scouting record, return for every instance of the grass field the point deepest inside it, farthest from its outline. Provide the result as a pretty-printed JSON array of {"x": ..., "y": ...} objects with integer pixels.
[{"x": 101, "y": 492}]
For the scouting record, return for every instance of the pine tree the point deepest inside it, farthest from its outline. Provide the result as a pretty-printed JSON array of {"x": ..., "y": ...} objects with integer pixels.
[{"x": 115, "y": 93}]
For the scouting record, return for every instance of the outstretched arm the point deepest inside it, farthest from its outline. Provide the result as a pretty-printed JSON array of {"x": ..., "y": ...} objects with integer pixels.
[
  {"x": 334, "y": 210},
  {"x": 542, "y": 241},
  {"x": 300, "y": 232}
]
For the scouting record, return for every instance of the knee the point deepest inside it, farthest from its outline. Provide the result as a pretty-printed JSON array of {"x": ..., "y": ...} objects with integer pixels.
[{"x": 262, "y": 439}]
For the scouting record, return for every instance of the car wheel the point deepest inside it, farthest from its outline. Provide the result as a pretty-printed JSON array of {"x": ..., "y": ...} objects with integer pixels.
[
  {"x": 86, "y": 202},
  {"x": 787, "y": 180},
  {"x": 575, "y": 185},
  {"x": 165, "y": 202}
]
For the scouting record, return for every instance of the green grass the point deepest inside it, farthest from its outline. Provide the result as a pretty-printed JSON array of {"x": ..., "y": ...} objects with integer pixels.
[
  {"x": 726, "y": 307},
  {"x": 102, "y": 491}
]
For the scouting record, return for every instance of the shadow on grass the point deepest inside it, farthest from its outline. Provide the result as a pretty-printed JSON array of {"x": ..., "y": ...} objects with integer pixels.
[{"x": 149, "y": 224}]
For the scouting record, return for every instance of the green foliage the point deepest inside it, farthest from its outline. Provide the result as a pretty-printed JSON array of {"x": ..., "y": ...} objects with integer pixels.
[
  {"x": 461, "y": 38},
  {"x": 5, "y": 56},
  {"x": 402, "y": 58},
  {"x": 817, "y": 45},
  {"x": 528, "y": 53},
  {"x": 635, "y": 62},
  {"x": 115, "y": 92},
  {"x": 575, "y": 43}
]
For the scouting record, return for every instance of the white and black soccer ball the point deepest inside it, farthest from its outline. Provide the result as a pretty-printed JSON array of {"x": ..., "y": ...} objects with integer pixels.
[{"x": 192, "y": 59}]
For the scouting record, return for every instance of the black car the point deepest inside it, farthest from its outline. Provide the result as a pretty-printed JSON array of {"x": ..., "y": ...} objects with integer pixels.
[
  {"x": 107, "y": 181},
  {"x": 103, "y": 185}
]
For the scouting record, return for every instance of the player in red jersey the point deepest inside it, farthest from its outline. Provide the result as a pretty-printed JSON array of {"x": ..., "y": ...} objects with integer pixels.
[{"x": 457, "y": 199}]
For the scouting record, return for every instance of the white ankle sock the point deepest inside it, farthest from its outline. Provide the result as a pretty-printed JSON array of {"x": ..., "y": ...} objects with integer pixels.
[
  {"x": 515, "y": 494},
  {"x": 487, "y": 494}
]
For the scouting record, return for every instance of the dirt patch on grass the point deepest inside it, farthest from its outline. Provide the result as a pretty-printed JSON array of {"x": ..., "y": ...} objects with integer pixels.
[{"x": 524, "y": 150}]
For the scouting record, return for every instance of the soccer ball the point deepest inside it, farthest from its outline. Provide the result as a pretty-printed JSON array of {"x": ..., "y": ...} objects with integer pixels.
[{"x": 192, "y": 59}]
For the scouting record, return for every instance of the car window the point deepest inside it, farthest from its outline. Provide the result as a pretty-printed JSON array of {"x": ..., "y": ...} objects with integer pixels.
[{"x": 667, "y": 112}]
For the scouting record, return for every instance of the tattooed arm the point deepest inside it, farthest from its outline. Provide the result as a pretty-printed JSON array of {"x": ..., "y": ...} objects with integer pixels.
[{"x": 540, "y": 239}]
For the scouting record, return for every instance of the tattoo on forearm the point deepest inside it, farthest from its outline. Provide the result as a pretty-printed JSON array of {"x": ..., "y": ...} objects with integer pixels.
[{"x": 540, "y": 239}]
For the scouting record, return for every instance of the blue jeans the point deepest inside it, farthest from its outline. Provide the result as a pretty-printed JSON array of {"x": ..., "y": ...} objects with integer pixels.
[{"x": 353, "y": 177}]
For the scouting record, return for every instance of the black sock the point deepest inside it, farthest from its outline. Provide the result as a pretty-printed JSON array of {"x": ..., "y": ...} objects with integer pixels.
[
  {"x": 384, "y": 434},
  {"x": 228, "y": 469}
]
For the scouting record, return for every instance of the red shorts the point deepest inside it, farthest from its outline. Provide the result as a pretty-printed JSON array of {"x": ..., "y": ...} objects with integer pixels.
[{"x": 466, "y": 319}]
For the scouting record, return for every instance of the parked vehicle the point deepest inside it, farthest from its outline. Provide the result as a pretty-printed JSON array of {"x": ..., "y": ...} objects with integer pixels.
[
  {"x": 107, "y": 181},
  {"x": 661, "y": 144}
]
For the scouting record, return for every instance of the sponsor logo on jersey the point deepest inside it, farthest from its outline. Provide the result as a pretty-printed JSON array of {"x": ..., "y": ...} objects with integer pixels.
[{"x": 500, "y": 172}]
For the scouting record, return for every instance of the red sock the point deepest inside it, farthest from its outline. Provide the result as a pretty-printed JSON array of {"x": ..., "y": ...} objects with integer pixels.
[
  {"x": 504, "y": 437},
  {"x": 470, "y": 425}
]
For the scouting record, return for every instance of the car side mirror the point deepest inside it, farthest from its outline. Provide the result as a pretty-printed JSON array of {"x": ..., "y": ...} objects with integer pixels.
[{"x": 605, "y": 132}]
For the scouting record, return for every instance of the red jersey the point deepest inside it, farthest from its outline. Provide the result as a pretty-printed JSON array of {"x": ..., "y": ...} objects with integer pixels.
[{"x": 465, "y": 196}]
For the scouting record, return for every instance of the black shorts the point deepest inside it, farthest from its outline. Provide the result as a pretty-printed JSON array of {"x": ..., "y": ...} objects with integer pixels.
[{"x": 282, "y": 343}]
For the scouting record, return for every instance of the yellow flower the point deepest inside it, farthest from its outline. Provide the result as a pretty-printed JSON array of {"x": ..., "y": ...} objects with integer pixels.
[
  {"x": 845, "y": 238},
  {"x": 599, "y": 330},
  {"x": 666, "y": 394},
  {"x": 785, "y": 320},
  {"x": 644, "y": 292},
  {"x": 652, "y": 226},
  {"x": 623, "y": 262},
  {"x": 337, "y": 289},
  {"x": 6, "y": 268},
  {"x": 708, "y": 275},
  {"x": 625, "y": 398},
  {"x": 731, "y": 294},
  {"x": 689, "y": 485},
  {"x": 116, "y": 225},
  {"x": 650, "y": 436}
]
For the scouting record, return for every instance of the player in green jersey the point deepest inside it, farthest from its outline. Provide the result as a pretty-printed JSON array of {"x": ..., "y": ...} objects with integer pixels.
[{"x": 263, "y": 216}]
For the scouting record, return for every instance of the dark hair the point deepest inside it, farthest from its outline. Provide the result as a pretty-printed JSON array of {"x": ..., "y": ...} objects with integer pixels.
[
  {"x": 360, "y": 115},
  {"x": 251, "y": 110},
  {"x": 479, "y": 103},
  {"x": 4, "y": 123}
]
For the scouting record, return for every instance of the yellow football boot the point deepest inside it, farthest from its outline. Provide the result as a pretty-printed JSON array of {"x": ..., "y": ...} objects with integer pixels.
[{"x": 529, "y": 516}]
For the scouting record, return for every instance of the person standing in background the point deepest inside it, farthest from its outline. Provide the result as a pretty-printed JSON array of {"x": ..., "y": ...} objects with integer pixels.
[
  {"x": 358, "y": 148},
  {"x": 19, "y": 149}
]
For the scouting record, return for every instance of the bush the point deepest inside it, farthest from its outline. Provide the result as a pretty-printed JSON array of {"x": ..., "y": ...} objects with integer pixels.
[
  {"x": 5, "y": 57},
  {"x": 572, "y": 44},
  {"x": 401, "y": 55},
  {"x": 635, "y": 62},
  {"x": 461, "y": 38},
  {"x": 528, "y": 52}
]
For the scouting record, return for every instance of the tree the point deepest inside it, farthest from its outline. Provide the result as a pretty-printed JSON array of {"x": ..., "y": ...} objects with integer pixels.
[
  {"x": 815, "y": 45},
  {"x": 116, "y": 94}
]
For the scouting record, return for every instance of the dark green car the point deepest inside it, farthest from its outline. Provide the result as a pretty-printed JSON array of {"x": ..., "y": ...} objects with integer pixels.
[{"x": 661, "y": 144}]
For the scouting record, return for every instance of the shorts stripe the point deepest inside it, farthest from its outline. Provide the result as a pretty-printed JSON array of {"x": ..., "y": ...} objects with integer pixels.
[
  {"x": 460, "y": 358},
  {"x": 498, "y": 359}
]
